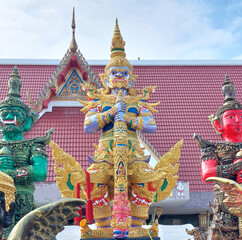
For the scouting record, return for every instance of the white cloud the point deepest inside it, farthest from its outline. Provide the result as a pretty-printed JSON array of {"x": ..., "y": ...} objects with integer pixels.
[{"x": 155, "y": 29}]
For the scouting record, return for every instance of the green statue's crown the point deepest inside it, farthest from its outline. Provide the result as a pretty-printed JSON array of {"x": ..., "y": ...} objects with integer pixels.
[
  {"x": 14, "y": 84},
  {"x": 14, "y": 97}
]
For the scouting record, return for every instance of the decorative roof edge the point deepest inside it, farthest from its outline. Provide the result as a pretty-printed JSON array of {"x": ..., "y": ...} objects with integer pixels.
[
  {"x": 233, "y": 62},
  {"x": 61, "y": 104},
  {"x": 50, "y": 88}
]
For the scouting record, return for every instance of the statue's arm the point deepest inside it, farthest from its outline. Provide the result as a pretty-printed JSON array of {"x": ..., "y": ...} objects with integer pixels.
[
  {"x": 208, "y": 169},
  {"x": 35, "y": 171},
  {"x": 228, "y": 170},
  {"x": 39, "y": 163},
  {"x": 209, "y": 162},
  {"x": 144, "y": 121},
  {"x": 96, "y": 120},
  {"x": 211, "y": 168}
]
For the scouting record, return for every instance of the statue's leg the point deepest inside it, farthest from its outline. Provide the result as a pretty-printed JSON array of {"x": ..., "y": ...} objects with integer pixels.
[
  {"x": 25, "y": 202},
  {"x": 100, "y": 175},
  {"x": 101, "y": 205},
  {"x": 141, "y": 195},
  {"x": 101, "y": 195},
  {"x": 141, "y": 192},
  {"x": 139, "y": 205}
]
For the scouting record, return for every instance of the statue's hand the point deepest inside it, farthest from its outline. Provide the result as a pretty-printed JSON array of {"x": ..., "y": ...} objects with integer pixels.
[
  {"x": 109, "y": 115},
  {"x": 129, "y": 120},
  {"x": 111, "y": 112},
  {"x": 120, "y": 116},
  {"x": 121, "y": 106}
]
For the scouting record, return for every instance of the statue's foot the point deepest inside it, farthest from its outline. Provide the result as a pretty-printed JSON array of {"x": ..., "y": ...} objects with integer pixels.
[
  {"x": 134, "y": 232},
  {"x": 87, "y": 232},
  {"x": 138, "y": 232}
]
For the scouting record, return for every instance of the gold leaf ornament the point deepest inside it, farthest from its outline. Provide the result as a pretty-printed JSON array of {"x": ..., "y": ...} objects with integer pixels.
[
  {"x": 69, "y": 172},
  {"x": 168, "y": 163}
]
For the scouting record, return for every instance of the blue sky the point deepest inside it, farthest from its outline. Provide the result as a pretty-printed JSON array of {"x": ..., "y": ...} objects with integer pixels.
[{"x": 152, "y": 29}]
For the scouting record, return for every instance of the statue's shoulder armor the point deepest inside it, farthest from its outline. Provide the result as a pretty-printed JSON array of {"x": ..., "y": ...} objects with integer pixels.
[
  {"x": 208, "y": 148},
  {"x": 228, "y": 147},
  {"x": 94, "y": 103},
  {"x": 19, "y": 144},
  {"x": 144, "y": 104},
  {"x": 45, "y": 139},
  {"x": 226, "y": 151},
  {"x": 106, "y": 105},
  {"x": 132, "y": 107}
]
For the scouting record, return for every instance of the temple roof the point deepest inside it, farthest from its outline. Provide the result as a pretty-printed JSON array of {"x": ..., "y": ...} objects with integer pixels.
[{"x": 188, "y": 93}]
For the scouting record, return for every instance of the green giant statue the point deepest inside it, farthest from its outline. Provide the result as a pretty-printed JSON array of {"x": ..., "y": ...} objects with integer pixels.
[{"x": 23, "y": 159}]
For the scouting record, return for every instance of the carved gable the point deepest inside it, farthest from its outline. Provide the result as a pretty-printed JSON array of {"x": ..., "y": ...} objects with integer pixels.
[{"x": 71, "y": 88}]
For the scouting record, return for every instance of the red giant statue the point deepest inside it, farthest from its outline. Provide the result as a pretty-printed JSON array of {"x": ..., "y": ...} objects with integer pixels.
[{"x": 220, "y": 160}]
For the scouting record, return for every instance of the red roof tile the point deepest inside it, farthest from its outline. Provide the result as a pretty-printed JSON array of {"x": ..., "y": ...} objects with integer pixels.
[
  {"x": 188, "y": 95},
  {"x": 68, "y": 134}
]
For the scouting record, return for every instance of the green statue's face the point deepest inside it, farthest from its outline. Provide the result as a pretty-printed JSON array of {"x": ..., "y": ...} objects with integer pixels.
[{"x": 13, "y": 119}]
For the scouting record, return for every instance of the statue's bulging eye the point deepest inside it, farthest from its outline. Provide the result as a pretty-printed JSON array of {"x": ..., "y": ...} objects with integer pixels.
[{"x": 113, "y": 72}]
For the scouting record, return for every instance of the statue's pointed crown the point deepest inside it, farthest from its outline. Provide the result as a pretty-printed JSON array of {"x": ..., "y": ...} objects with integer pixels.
[
  {"x": 13, "y": 97},
  {"x": 117, "y": 47},
  {"x": 118, "y": 51},
  {"x": 230, "y": 101},
  {"x": 14, "y": 84}
]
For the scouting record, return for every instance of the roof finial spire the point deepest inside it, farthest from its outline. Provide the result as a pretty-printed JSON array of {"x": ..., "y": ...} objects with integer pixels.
[{"x": 73, "y": 46}]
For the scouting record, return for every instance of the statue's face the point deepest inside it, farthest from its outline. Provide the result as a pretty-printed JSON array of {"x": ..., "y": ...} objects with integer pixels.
[
  {"x": 119, "y": 77},
  {"x": 232, "y": 122},
  {"x": 231, "y": 127},
  {"x": 12, "y": 119}
]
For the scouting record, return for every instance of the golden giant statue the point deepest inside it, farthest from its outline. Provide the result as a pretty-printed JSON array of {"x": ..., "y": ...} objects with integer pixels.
[{"x": 120, "y": 170}]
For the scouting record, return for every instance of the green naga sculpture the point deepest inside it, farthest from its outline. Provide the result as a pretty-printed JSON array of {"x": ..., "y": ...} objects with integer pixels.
[{"x": 23, "y": 159}]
